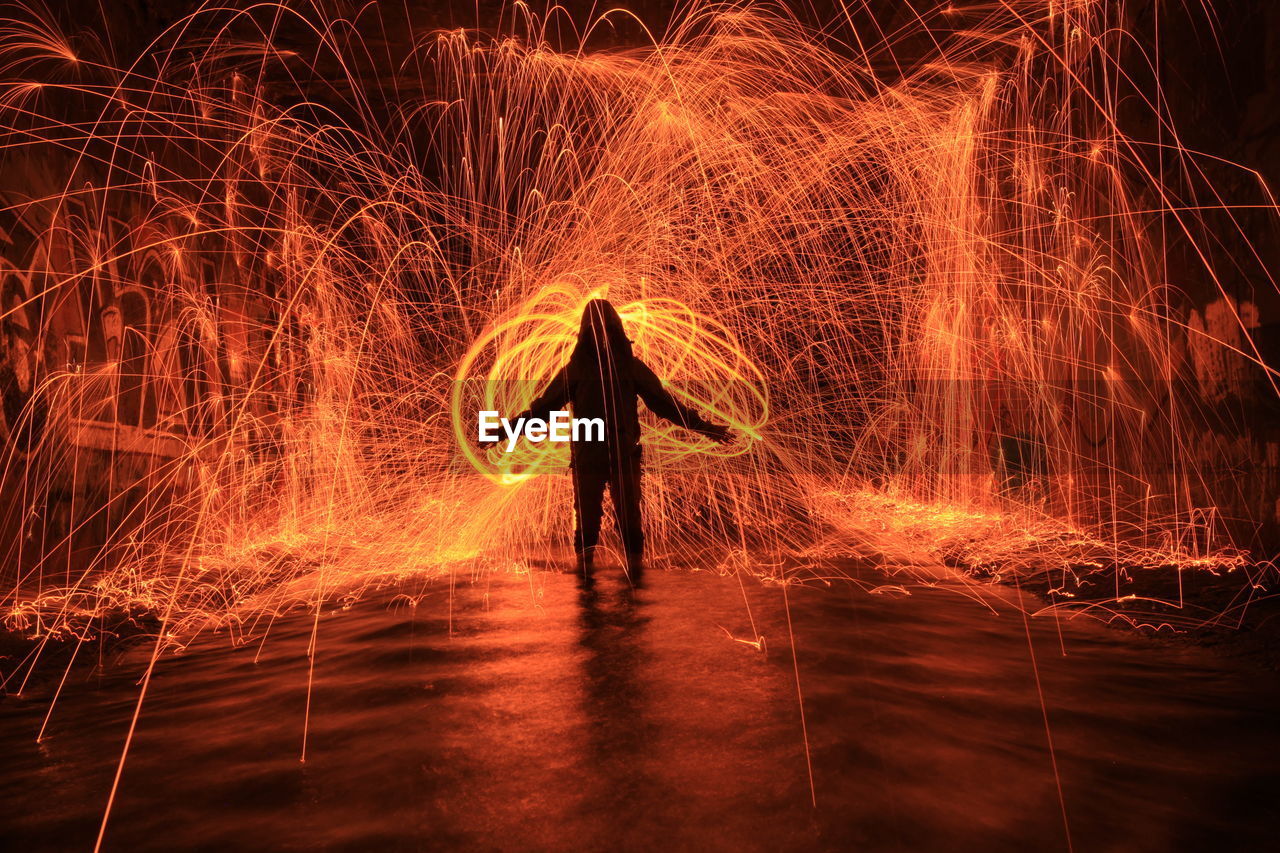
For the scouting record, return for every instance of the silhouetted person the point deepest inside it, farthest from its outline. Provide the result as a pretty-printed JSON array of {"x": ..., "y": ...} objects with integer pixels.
[{"x": 602, "y": 380}]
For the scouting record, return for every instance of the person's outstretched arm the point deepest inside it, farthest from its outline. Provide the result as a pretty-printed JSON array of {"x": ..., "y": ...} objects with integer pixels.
[
  {"x": 555, "y": 397},
  {"x": 661, "y": 402}
]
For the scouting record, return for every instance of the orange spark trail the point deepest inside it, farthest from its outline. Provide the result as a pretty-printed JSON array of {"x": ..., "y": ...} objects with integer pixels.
[{"x": 248, "y": 320}]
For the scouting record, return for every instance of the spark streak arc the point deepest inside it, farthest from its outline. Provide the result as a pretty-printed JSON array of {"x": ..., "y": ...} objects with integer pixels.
[{"x": 253, "y": 296}]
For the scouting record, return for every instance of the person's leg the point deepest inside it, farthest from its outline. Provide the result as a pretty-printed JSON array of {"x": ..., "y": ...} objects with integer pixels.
[
  {"x": 588, "y": 505},
  {"x": 627, "y": 503}
]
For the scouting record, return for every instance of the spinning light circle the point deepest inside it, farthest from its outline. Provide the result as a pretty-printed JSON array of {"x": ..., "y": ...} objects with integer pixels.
[{"x": 511, "y": 362}]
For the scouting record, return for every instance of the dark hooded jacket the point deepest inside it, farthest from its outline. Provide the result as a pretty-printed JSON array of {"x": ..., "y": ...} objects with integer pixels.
[{"x": 602, "y": 380}]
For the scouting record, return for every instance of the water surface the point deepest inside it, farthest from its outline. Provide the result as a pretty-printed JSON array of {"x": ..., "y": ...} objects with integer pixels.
[{"x": 526, "y": 712}]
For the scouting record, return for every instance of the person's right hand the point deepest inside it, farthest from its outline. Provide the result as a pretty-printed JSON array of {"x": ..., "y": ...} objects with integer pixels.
[
  {"x": 482, "y": 446},
  {"x": 721, "y": 434}
]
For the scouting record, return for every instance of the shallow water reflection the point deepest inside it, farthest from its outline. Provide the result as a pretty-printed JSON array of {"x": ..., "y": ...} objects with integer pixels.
[{"x": 535, "y": 712}]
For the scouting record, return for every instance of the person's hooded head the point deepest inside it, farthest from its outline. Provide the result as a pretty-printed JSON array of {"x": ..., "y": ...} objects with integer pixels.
[{"x": 602, "y": 342}]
